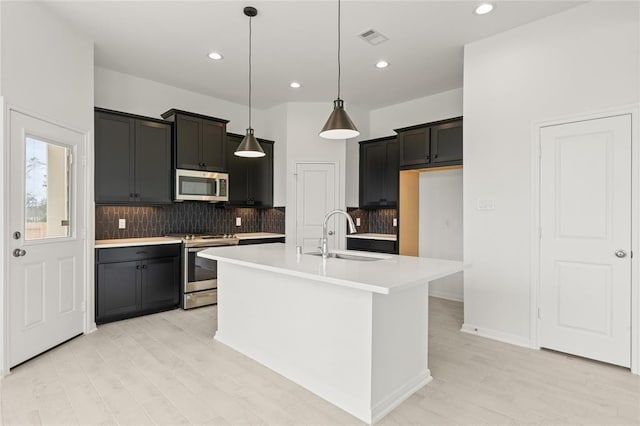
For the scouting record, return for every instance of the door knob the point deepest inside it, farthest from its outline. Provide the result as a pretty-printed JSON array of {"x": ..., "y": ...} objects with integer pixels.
[
  {"x": 19, "y": 252},
  {"x": 621, "y": 253},
  {"x": 330, "y": 232}
]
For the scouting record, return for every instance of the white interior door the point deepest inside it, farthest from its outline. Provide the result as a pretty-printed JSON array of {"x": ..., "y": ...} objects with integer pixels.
[
  {"x": 315, "y": 196},
  {"x": 585, "y": 212},
  {"x": 46, "y": 241}
]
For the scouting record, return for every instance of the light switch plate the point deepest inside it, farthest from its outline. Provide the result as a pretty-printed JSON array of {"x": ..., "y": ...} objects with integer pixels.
[
  {"x": 238, "y": 221},
  {"x": 357, "y": 221},
  {"x": 485, "y": 204},
  {"x": 122, "y": 223}
]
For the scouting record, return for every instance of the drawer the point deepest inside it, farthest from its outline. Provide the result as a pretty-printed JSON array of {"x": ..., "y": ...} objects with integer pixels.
[
  {"x": 200, "y": 298},
  {"x": 379, "y": 246},
  {"x": 127, "y": 254}
]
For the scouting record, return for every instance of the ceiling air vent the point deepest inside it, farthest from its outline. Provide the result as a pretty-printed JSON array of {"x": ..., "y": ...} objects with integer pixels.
[{"x": 373, "y": 37}]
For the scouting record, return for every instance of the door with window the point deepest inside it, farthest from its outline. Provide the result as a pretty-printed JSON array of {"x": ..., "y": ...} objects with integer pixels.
[
  {"x": 585, "y": 246},
  {"x": 46, "y": 241}
]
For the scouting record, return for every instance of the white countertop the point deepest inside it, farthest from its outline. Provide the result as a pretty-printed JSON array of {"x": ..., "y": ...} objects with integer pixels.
[
  {"x": 391, "y": 274},
  {"x": 372, "y": 236},
  {"x": 131, "y": 242},
  {"x": 257, "y": 235}
]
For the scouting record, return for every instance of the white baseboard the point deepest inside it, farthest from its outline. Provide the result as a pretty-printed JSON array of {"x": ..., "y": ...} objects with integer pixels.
[
  {"x": 387, "y": 405},
  {"x": 446, "y": 295},
  {"x": 496, "y": 335}
]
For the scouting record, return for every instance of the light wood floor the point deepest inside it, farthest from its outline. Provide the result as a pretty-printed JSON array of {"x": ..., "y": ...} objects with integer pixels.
[{"x": 166, "y": 369}]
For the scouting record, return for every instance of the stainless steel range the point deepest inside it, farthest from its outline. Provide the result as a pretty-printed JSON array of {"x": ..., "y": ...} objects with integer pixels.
[{"x": 200, "y": 275}]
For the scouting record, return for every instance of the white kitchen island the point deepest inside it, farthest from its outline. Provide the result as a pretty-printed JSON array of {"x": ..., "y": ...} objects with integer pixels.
[{"x": 353, "y": 332}]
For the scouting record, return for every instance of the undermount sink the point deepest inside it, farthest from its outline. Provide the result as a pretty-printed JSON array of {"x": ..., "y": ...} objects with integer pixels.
[{"x": 347, "y": 256}]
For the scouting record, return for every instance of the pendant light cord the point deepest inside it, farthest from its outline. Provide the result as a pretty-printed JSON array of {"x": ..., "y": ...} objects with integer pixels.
[
  {"x": 250, "y": 72},
  {"x": 339, "y": 70}
]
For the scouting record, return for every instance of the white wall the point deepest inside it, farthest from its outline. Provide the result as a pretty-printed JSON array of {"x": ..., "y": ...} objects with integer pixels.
[
  {"x": 47, "y": 70},
  {"x": 127, "y": 93},
  {"x": 304, "y": 145},
  {"x": 417, "y": 111},
  {"x": 440, "y": 229},
  {"x": 582, "y": 60}
]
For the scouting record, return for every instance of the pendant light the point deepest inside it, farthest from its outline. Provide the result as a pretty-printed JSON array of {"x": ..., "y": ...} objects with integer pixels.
[
  {"x": 339, "y": 125},
  {"x": 249, "y": 147}
]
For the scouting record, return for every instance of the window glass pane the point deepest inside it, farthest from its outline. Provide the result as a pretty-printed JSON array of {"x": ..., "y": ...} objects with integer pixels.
[{"x": 47, "y": 175}]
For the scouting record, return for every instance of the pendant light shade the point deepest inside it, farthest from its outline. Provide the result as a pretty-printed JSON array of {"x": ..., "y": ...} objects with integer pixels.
[
  {"x": 339, "y": 125},
  {"x": 249, "y": 147}
]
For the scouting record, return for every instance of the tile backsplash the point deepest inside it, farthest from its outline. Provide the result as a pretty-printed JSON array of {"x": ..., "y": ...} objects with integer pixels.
[
  {"x": 379, "y": 221},
  {"x": 193, "y": 217}
]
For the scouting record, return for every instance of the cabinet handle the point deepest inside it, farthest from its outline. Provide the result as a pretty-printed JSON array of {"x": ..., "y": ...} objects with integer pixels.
[
  {"x": 131, "y": 195},
  {"x": 428, "y": 157},
  {"x": 142, "y": 252},
  {"x": 137, "y": 266},
  {"x": 435, "y": 156},
  {"x": 144, "y": 266}
]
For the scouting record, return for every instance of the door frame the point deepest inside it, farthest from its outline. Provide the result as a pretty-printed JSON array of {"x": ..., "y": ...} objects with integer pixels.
[
  {"x": 634, "y": 111},
  {"x": 88, "y": 211},
  {"x": 338, "y": 198}
]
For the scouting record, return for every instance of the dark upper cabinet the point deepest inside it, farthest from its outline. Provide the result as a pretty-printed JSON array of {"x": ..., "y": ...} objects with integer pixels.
[
  {"x": 132, "y": 159},
  {"x": 446, "y": 143},
  {"x": 414, "y": 146},
  {"x": 379, "y": 172},
  {"x": 200, "y": 141},
  {"x": 250, "y": 179},
  {"x": 431, "y": 145}
]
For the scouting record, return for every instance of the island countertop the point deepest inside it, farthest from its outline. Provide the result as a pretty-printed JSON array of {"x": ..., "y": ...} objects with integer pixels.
[{"x": 391, "y": 273}]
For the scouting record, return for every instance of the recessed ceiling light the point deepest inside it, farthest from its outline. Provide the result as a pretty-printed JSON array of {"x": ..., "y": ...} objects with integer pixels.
[
  {"x": 484, "y": 8},
  {"x": 382, "y": 64},
  {"x": 215, "y": 56},
  {"x": 295, "y": 84}
]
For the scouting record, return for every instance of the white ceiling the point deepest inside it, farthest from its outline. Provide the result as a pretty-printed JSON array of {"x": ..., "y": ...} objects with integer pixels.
[{"x": 168, "y": 42}]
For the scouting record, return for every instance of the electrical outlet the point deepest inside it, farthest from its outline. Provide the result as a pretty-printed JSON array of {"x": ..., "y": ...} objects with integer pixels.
[
  {"x": 395, "y": 221},
  {"x": 485, "y": 204},
  {"x": 357, "y": 221},
  {"x": 122, "y": 223},
  {"x": 238, "y": 221}
]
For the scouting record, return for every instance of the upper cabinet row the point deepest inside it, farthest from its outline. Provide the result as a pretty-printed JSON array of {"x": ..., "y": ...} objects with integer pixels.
[
  {"x": 135, "y": 158},
  {"x": 430, "y": 145}
]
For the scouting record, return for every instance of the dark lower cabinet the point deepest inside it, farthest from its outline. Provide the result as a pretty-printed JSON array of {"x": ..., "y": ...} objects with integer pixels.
[
  {"x": 134, "y": 281},
  {"x": 366, "y": 244},
  {"x": 248, "y": 241}
]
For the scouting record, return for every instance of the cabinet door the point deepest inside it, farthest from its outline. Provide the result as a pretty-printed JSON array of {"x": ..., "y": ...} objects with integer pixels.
[
  {"x": 160, "y": 283},
  {"x": 373, "y": 158},
  {"x": 260, "y": 176},
  {"x": 153, "y": 162},
  {"x": 237, "y": 168},
  {"x": 114, "y": 153},
  {"x": 188, "y": 137},
  {"x": 117, "y": 290},
  {"x": 213, "y": 146},
  {"x": 446, "y": 143},
  {"x": 414, "y": 147},
  {"x": 392, "y": 173}
]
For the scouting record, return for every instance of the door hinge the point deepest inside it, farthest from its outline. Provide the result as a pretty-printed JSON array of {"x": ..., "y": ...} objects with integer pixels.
[
  {"x": 539, "y": 314},
  {"x": 631, "y": 254}
]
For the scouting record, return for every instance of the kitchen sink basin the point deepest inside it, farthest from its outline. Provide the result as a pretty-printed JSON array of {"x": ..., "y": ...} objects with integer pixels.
[{"x": 348, "y": 256}]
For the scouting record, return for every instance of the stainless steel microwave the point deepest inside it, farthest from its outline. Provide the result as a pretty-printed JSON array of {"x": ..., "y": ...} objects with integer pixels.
[{"x": 201, "y": 186}]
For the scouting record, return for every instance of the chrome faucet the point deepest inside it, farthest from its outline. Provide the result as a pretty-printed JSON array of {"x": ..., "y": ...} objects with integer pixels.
[{"x": 324, "y": 248}]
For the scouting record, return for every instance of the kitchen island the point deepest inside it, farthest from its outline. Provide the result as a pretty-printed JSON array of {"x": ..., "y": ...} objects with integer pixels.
[{"x": 353, "y": 332}]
